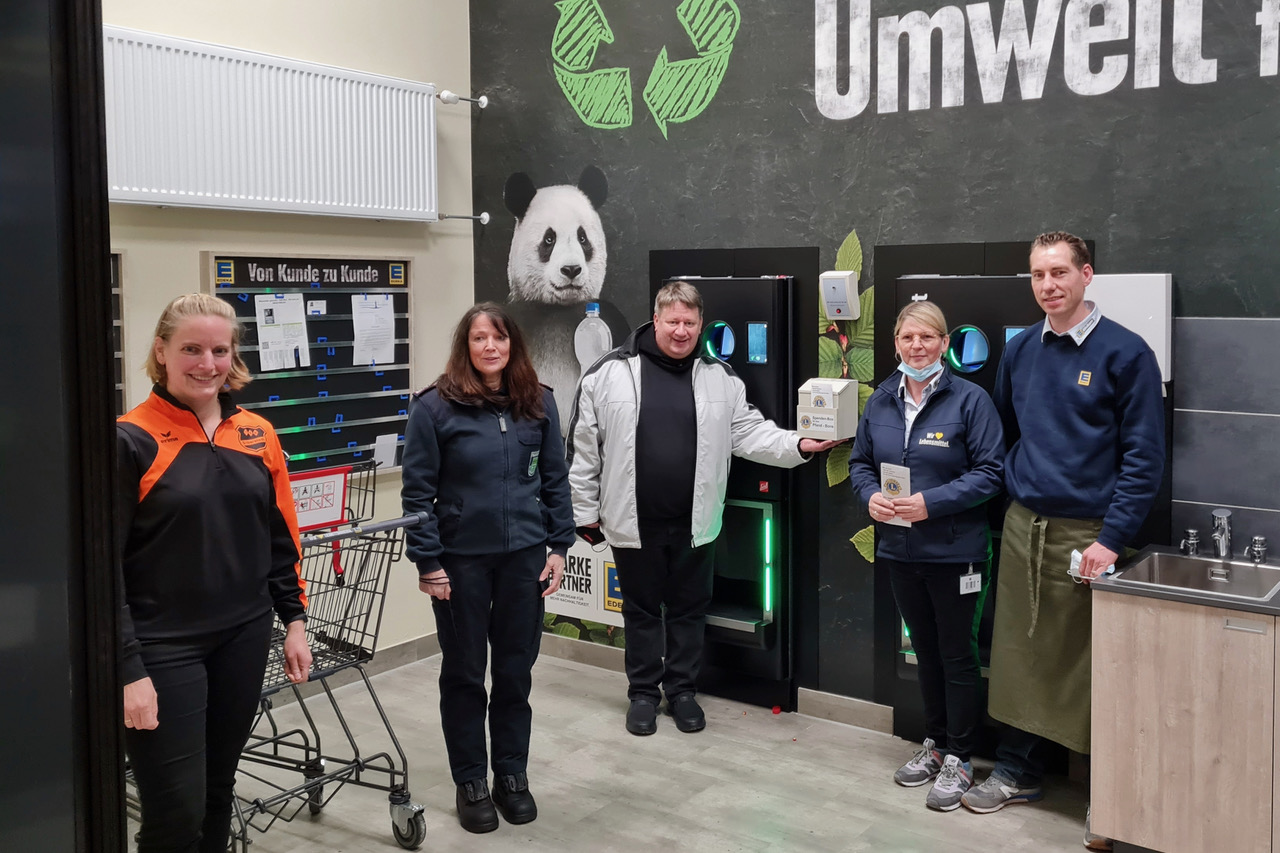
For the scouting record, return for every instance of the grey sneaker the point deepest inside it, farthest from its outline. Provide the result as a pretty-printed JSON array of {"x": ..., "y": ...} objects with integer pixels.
[
  {"x": 953, "y": 780},
  {"x": 922, "y": 767},
  {"x": 1092, "y": 841},
  {"x": 995, "y": 793}
]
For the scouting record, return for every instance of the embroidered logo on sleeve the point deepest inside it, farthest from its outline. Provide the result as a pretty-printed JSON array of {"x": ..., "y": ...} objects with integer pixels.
[
  {"x": 1085, "y": 377},
  {"x": 252, "y": 438}
]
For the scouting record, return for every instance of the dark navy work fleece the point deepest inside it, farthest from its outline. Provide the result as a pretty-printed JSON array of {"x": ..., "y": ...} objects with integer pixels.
[
  {"x": 954, "y": 452},
  {"x": 489, "y": 484},
  {"x": 1085, "y": 426}
]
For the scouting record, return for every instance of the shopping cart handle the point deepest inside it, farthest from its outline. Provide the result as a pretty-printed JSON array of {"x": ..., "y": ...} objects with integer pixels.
[{"x": 364, "y": 529}]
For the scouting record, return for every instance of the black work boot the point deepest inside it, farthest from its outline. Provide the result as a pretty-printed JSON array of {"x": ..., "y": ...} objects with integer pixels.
[
  {"x": 475, "y": 807},
  {"x": 511, "y": 796},
  {"x": 642, "y": 717}
]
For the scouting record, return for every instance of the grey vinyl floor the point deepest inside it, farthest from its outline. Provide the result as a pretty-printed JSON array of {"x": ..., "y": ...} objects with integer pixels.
[{"x": 751, "y": 781}]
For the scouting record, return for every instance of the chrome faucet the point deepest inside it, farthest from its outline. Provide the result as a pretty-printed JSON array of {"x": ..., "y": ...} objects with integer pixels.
[
  {"x": 1222, "y": 533},
  {"x": 1190, "y": 542},
  {"x": 1257, "y": 550}
]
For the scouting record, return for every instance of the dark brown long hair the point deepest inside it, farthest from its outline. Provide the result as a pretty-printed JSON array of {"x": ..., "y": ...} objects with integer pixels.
[{"x": 462, "y": 383}]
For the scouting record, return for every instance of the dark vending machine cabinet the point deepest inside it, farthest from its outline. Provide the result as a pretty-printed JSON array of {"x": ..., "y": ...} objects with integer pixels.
[{"x": 747, "y": 324}]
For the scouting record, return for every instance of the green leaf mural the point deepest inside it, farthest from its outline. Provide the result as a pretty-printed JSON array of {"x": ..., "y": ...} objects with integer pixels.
[
  {"x": 830, "y": 359},
  {"x": 865, "y": 541},
  {"x": 861, "y": 364},
  {"x": 863, "y": 331},
  {"x": 564, "y": 629},
  {"x": 849, "y": 255},
  {"x": 838, "y": 464},
  {"x": 864, "y": 394},
  {"x": 845, "y": 350}
]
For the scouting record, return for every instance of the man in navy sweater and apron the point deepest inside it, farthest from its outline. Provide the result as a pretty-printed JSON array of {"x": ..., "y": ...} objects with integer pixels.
[{"x": 1080, "y": 398}]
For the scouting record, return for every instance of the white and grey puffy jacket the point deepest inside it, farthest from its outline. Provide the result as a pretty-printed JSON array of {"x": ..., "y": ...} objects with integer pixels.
[{"x": 602, "y": 443}]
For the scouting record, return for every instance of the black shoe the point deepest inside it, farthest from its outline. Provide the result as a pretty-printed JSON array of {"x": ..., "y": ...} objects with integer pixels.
[
  {"x": 642, "y": 717},
  {"x": 687, "y": 713},
  {"x": 475, "y": 807},
  {"x": 511, "y": 796}
]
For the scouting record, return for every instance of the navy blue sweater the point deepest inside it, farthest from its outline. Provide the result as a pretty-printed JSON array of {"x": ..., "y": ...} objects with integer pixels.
[
  {"x": 955, "y": 453},
  {"x": 489, "y": 484},
  {"x": 1085, "y": 426}
]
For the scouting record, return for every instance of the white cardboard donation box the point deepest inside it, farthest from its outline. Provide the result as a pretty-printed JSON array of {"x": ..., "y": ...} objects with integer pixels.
[{"x": 827, "y": 409}]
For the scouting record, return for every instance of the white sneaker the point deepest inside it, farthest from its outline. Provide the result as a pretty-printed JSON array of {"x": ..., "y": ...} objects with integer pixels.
[
  {"x": 922, "y": 767},
  {"x": 953, "y": 780}
]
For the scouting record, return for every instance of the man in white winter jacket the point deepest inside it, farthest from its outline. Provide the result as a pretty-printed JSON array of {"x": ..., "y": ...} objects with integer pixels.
[{"x": 653, "y": 427}]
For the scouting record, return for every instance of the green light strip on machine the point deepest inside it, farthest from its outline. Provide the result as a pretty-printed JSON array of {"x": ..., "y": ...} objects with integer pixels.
[{"x": 768, "y": 565}]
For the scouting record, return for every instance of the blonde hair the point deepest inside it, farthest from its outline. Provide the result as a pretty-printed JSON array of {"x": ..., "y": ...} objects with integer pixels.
[
  {"x": 677, "y": 292},
  {"x": 197, "y": 305},
  {"x": 925, "y": 313}
]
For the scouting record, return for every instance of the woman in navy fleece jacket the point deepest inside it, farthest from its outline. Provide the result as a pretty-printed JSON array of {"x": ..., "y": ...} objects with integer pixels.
[{"x": 947, "y": 432}]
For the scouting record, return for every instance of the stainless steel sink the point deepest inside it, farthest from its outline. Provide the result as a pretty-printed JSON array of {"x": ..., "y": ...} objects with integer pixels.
[{"x": 1232, "y": 579}]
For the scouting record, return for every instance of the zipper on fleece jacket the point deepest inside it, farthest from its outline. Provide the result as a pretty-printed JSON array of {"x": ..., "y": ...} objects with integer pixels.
[
  {"x": 902, "y": 407},
  {"x": 506, "y": 469}
]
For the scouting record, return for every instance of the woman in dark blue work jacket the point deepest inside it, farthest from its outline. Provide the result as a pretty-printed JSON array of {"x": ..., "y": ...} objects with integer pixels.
[
  {"x": 945, "y": 430},
  {"x": 483, "y": 458}
]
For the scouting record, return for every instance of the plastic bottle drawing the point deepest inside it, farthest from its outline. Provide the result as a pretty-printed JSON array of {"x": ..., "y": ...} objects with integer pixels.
[{"x": 592, "y": 338}]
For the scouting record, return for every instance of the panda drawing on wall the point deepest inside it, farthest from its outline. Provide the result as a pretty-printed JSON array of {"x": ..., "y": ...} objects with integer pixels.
[{"x": 556, "y": 266}]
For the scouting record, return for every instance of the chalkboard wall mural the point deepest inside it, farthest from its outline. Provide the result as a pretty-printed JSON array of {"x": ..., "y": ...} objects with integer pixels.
[
  {"x": 1149, "y": 127},
  {"x": 556, "y": 265},
  {"x": 676, "y": 90}
]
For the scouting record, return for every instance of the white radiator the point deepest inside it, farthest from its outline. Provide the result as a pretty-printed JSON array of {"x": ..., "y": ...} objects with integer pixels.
[{"x": 201, "y": 125}]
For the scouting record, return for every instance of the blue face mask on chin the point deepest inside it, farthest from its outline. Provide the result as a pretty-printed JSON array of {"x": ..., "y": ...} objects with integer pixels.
[{"x": 923, "y": 374}]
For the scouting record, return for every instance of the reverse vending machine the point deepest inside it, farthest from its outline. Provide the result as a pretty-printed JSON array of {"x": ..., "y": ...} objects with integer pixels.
[{"x": 750, "y": 323}]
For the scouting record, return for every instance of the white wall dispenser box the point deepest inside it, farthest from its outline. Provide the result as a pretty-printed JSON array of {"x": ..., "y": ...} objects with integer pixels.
[
  {"x": 840, "y": 294},
  {"x": 827, "y": 409}
]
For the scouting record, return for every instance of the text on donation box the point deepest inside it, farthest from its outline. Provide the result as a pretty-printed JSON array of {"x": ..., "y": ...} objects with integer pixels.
[{"x": 589, "y": 589}]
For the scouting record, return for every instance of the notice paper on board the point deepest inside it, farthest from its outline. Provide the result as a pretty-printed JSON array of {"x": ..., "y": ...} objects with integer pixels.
[
  {"x": 374, "y": 321},
  {"x": 895, "y": 482},
  {"x": 282, "y": 331}
]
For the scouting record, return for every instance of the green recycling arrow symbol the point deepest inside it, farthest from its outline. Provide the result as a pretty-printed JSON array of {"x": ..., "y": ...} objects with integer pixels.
[{"x": 675, "y": 91}]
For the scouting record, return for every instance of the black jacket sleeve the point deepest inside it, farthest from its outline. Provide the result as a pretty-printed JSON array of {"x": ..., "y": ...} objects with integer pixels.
[
  {"x": 285, "y": 583},
  {"x": 128, "y": 477},
  {"x": 420, "y": 481},
  {"x": 556, "y": 498}
]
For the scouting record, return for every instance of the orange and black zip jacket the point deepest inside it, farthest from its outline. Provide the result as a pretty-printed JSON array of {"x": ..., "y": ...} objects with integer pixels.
[{"x": 207, "y": 526}]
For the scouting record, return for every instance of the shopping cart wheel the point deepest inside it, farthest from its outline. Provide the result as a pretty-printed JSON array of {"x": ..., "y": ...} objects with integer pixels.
[
  {"x": 412, "y": 836},
  {"x": 315, "y": 799}
]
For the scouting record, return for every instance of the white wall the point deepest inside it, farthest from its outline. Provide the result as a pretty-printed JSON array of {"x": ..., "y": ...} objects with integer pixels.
[{"x": 161, "y": 248}]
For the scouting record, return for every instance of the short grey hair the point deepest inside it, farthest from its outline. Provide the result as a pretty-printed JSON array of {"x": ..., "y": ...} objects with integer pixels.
[{"x": 677, "y": 292}]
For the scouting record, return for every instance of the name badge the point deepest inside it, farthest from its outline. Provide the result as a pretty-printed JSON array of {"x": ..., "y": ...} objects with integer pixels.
[
  {"x": 971, "y": 582},
  {"x": 533, "y": 463}
]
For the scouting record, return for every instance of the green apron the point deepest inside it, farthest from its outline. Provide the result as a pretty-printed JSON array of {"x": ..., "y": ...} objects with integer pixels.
[{"x": 1042, "y": 642}]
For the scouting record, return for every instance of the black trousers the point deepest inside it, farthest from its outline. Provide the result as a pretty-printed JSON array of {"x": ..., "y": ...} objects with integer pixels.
[
  {"x": 944, "y": 633},
  {"x": 666, "y": 588},
  {"x": 494, "y": 610},
  {"x": 207, "y": 692}
]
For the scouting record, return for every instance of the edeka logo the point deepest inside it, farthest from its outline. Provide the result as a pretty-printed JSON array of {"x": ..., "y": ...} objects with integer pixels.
[
  {"x": 675, "y": 92},
  {"x": 252, "y": 438},
  {"x": 612, "y": 590},
  {"x": 1093, "y": 36}
]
